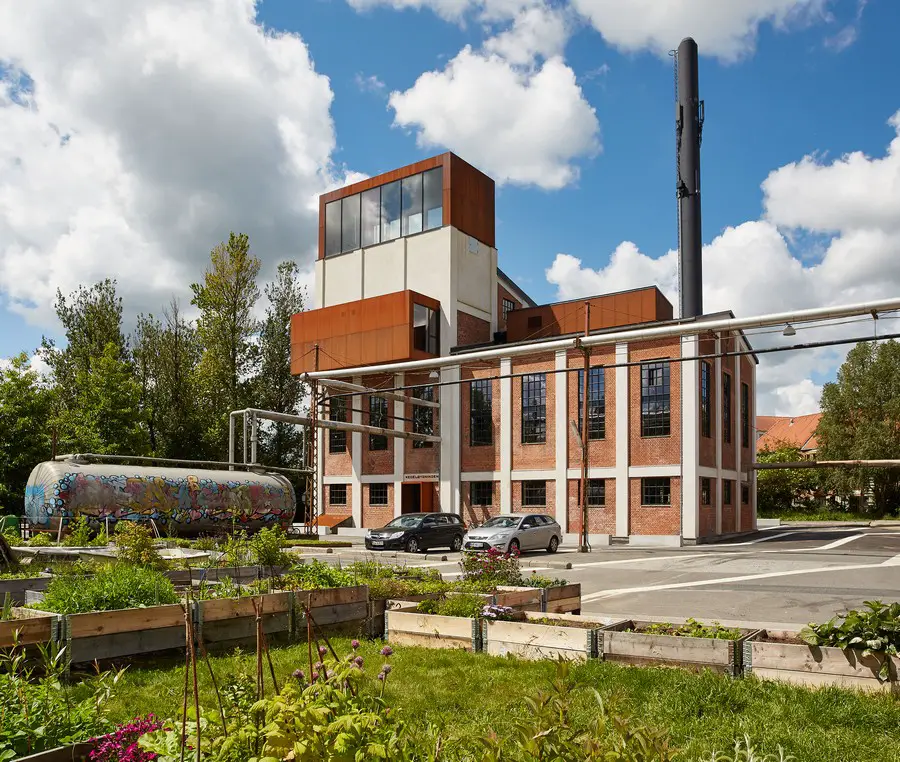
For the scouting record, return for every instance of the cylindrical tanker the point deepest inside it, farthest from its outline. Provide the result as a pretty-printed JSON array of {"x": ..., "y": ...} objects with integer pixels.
[{"x": 179, "y": 500}]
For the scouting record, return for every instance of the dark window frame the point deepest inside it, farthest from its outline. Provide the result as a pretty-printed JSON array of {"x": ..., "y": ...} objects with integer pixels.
[
  {"x": 596, "y": 402},
  {"x": 506, "y": 306},
  {"x": 745, "y": 494},
  {"x": 705, "y": 399},
  {"x": 656, "y": 390},
  {"x": 481, "y": 494},
  {"x": 481, "y": 413},
  {"x": 596, "y": 493},
  {"x": 705, "y": 490},
  {"x": 337, "y": 440},
  {"x": 534, "y": 493},
  {"x": 423, "y": 417},
  {"x": 332, "y": 489},
  {"x": 534, "y": 408},
  {"x": 726, "y": 407},
  {"x": 727, "y": 492},
  {"x": 426, "y": 329},
  {"x": 379, "y": 415},
  {"x": 375, "y": 494},
  {"x": 656, "y": 491},
  {"x": 745, "y": 415}
]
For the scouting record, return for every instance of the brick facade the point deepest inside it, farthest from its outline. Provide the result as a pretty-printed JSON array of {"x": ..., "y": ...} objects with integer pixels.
[
  {"x": 655, "y": 519},
  {"x": 708, "y": 511},
  {"x": 728, "y": 512},
  {"x": 478, "y": 514},
  {"x": 377, "y": 515},
  {"x": 344, "y": 509},
  {"x": 419, "y": 459},
  {"x": 655, "y": 450},
  {"x": 480, "y": 457},
  {"x": 534, "y": 455},
  {"x": 601, "y": 520},
  {"x": 549, "y": 507},
  {"x": 729, "y": 449},
  {"x": 471, "y": 329},
  {"x": 601, "y": 452},
  {"x": 708, "y": 444}
]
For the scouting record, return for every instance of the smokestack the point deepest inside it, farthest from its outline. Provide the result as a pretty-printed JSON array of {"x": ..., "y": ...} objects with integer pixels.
[{"x": 689, "y": 124}]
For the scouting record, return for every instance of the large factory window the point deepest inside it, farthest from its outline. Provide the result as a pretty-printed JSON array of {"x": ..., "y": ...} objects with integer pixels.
[
  {"x": 726, "y": 407},
  {"x": 655, "y": 411},
  {"x": 481, "y": 423},
  {"x": 426, "y": 329},
  {"x": 423, "y": 417},
  {"x": 378, "y": 494},
  {"x": 434, "y": 198},
  {"x": 745, "y": 415},
  {"x": 596, "y": 403},
  {"x": 401, "y": 208},
  {"x": 534, "y": 494},
  {"x": 481, "y": 493},
  {"x": 705, "y": 490},
  {"x": 337, "y": 411},
  {"x": 507, "y": 306},
  {"x": 534, "y": 408},
  {"x": 378, "y": 416},
  {"x": 705, "y": 393},
  {"x": 337, "y": 494},
  {"x": 412, "y": 205},
  {"x": 726, "y": 491},
  {"x": 656, "y": 491},
  {"x": 596, "y": 492}
]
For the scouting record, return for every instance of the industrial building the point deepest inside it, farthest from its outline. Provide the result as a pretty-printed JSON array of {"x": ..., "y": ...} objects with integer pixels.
[{"x": 409, "y": 298}]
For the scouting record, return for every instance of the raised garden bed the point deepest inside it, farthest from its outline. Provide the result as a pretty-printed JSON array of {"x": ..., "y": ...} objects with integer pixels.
[
  {"x": 18, "y": 588},
  {"x": 540, "y": 636},
  {"x": 784, "y": 657},
  {"x": 27, "y": 627},
  {"x": 78, "y": 752},
  {"x": 562, "y": 599},
  {"x": 408, "y": 627},
  {"x": 628, "y": 642}
]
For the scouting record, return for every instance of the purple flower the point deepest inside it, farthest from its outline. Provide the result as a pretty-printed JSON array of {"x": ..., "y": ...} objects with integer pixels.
[
  {"x": 298, "y": 674},
  {"x": 358, "y": 661},
  {"x": 322, "y": 650},
  {"x": 329, "y": 674},
  {"x": 387, "y": 651},
  {"x": 386, "y": 669},
  {"x": 318, "y": 666},
  {"x": 354, "y": 644},
  {"x": 315, "y": 676}
]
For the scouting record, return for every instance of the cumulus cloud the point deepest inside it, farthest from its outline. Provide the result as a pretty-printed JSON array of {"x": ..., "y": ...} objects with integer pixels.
[
  {"x": 751, "y": 269},
  {"x": 726, "y": 30},
  {"x": 136, "y": 136},
  {"x": 539, "y": 31},
  {"x": 454, "y": 10},
  {"x": 521, "y": 125}
]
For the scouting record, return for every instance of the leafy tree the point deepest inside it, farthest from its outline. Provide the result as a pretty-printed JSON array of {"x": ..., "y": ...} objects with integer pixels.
[
  {"x": 861, "y": 421},
  {"x": 26, "y": 408},
  {"x": 226, "y": 329},
  {"x": 106, "y": 417},
  {"x": 276, "y": 388},
  {"x": 145, "y": 342},
  {"x": 780, "y": 489}
]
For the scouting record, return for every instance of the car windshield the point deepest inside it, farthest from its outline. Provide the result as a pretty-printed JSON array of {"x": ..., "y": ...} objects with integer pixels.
[
  {"x": 406, "y": 522},
  {"x": 502, "y": 521}
]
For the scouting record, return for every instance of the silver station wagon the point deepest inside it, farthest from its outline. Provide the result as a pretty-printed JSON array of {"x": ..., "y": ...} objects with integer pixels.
[{"x": 510, "y": 532}]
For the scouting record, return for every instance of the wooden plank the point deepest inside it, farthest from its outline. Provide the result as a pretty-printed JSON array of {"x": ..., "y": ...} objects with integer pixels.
[
  {"x": 667, "y": 648},
  {"x": 815, "y": 660},
  {"x": 332, "y": 596},
  {"x": 428, "y": 640},
  {"x": 446, "y": 626},
  {"x": 76, "y": 753},
  {"x": 125, "y": 620},
  {"x": 345, "y": 612},
  {"x": 572, "y": 590},
  {"x": 563, "y": 605},
  {"x": 17, "y": 587},
  {"x": 243, "y": 628},
  {"x": 869, "y": 684},
  {"x": 25, "y": 631},
  {"x": 528, "y": 599},
  {"x": 123, "y": 644},
  {"x": 229, "y": 608},
  {"x": 545, "y": 636},
  {"x": 534, "y": 652},
  {"x": 651, "y": 661}
]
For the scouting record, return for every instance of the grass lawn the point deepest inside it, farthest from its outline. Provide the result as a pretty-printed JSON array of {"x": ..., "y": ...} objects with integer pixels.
[{"x": 468, "y": 695}]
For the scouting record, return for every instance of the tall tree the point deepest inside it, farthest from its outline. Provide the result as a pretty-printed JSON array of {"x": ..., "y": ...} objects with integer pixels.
[
  {"x": 26, "y": 407},
  {"x": 276, "y": 388},
  {"x": 784, "y": 488},
  {"x": 226, "y": 329},
  {"x": 145, "y": 349},
  {"x": 861, "y": 421}
]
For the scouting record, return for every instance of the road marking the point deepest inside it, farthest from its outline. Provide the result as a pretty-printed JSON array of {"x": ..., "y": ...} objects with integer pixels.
[
  {"x": 836, "y": 543},
  {"x": 639, "y": 560},
  {"x": 763, "y": 539},
  {"x": 895, "y": 561},
  {"x": 722, "y": 580}
]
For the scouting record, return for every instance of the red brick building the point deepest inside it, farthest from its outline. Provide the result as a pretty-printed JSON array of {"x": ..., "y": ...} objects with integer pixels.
[{"x": 409, "y": 297}]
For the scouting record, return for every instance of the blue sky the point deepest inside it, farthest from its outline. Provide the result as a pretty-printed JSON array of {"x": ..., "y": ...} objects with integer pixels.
[{"x": 158, "y": 170}]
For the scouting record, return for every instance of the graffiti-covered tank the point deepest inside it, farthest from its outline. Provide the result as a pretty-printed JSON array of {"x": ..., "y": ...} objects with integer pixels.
[{"x": 183, "y": 500}]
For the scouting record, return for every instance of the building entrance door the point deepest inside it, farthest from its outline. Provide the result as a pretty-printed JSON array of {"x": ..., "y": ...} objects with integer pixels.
[{"x": 418, "y": 497}]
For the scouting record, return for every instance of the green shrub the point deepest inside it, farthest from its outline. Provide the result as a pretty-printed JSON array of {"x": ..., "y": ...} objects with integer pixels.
[
  {"x": 694, "y": 629},
  {"x": 267, "y": 548},
  {"x": 314, "y": 575},
  {"x": 500, "y": 568},
  {"x": 470, "y": 606},
  {"x": 80, "y": 534},
  {"x": 536, "y": 580},
  {"x": 40, "y": 540},
  {"x": 387, "y": 581},
  {"x": 135, "y": 544},
  {"x": 114, "y": 586}
]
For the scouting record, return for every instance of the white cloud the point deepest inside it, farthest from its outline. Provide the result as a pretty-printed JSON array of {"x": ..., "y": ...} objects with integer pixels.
[
  {"x": 520, "y": 125},
  {"x": 152, "y": 130},
  {"x": 369, "y": 84},
  {"x": 539, "y": 31},
  {"x": 751, "y": 270},
  {"x": 454, "y": 10},
  {"x": 725, "y": 29}
]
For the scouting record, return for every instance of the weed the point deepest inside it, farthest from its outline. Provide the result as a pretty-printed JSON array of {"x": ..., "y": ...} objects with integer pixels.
[{"x": 114, "y": 586}]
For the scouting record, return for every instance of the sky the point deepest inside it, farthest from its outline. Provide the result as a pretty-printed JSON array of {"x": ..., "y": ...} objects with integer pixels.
[{"x": 136, "y": 135}]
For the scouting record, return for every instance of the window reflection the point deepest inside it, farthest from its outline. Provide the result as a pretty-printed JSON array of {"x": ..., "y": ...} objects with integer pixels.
[
  {"x": 332, "y": 228},
  {"x": 433, "y": 194},
  {"x": 350, "y": 223},
  {"x": 390, "y": 211},
  {"x": 371, "y": 217},
  {"x": 412, "y": 204}
]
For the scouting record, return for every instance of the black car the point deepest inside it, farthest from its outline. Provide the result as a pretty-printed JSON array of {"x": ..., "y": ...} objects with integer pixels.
[{"x": 413, "y": 532}]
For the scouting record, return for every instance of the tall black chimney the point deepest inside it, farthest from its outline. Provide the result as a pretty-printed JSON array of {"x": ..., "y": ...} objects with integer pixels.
[{"x": 688, "y": 124}]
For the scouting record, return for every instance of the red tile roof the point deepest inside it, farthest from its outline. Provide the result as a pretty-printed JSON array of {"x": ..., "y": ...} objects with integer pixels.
[{"x": 794, "y": 431}]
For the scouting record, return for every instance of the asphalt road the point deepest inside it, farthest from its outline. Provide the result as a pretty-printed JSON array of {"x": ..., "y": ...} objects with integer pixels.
[{"x": 783, "y": 576}]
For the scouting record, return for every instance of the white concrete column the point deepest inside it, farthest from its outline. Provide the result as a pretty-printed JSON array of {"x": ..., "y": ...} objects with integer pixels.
[
  {"x": 623, "y": 429},
  {"x": 736, "y": 442},
  {"x": 561, "y": 387},
  {"x": 752, "y": 474},
  {"x": 356, "y": 498},
  {"x": 506, "y": 427},
  {"x": 690, "y": 440},
  {"x": 450, "y": 428},
  {"x": 399, "y": 449},
  {"x": 719, "y": 433}
]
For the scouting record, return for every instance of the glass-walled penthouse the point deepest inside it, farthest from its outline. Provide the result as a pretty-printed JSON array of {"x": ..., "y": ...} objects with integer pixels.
[{"x": 400, "y": 208}]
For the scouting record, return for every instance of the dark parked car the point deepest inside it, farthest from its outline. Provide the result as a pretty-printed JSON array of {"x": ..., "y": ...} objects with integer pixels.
[{"x": 413, "y": 532}]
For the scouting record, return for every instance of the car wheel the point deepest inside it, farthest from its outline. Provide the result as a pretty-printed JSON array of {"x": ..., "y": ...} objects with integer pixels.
[
  {"x": 554, "y": 544},
  {"x": 513, "y": 546},
  {"x": 412, "y": 545},
  {"x": 456, "y": 544}
]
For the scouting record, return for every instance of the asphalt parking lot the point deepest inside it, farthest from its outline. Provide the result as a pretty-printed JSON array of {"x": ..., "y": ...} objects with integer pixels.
[{"x": 786, "y": 575}]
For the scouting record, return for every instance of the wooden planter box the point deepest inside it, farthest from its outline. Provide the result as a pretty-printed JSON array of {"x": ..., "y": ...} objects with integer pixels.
[
  {"x": 234, "y": 619},
  {"x": 375, "y": 622},
  {"x": 530, "y": 640},
  {"x": 28, "y": 627},
  {"x": 516, "y": 598},
  {"x": 76, "y": 753},
  {"x": 723, "y": 656},
  {"x": 819, "y": 665},
  {"x": 333, "y": 606},
  {"x": 407, "y": 627},
  {"x": 565, "y": 599},
  {"x": 240, "y": 575},
  {"x": 17, "y": 588}
]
